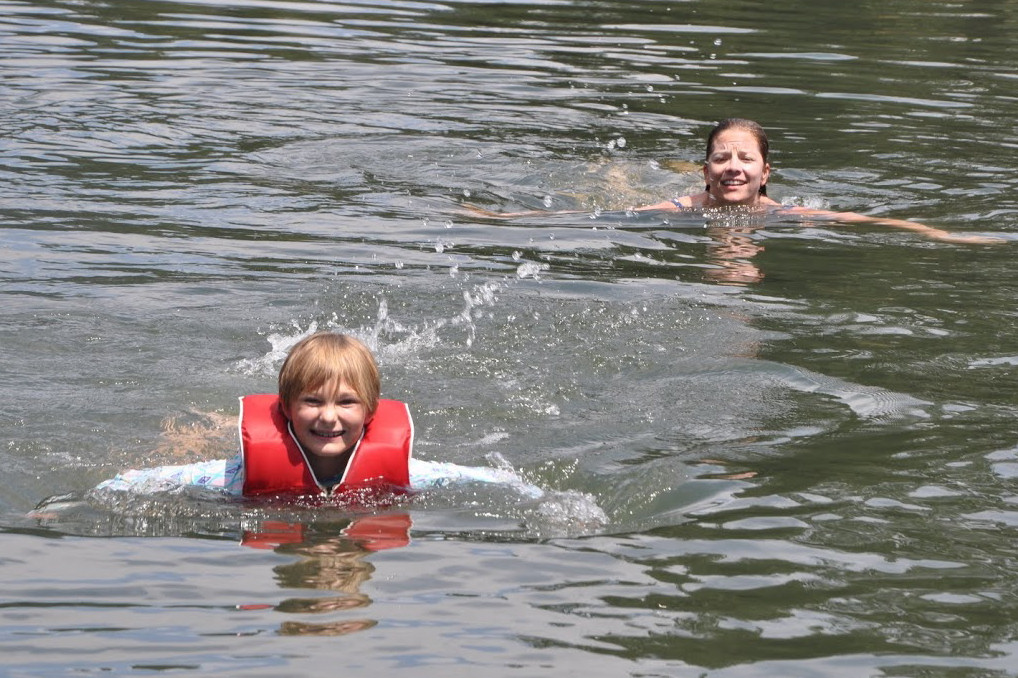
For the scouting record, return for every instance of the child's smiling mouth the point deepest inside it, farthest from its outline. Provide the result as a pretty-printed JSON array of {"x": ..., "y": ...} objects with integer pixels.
[{"x": 329, "y": 434}]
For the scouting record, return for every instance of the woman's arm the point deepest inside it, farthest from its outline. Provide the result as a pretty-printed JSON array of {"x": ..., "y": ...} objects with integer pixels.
[
  {"x": 667, "y": 205},
  {"x": 700, "y": 200},
  {"x": 481, "y": 212},
  {"x": 928, "y": 231}
]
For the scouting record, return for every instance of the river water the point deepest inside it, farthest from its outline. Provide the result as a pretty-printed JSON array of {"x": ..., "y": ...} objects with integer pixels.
[{"x": 768, "y": 448}]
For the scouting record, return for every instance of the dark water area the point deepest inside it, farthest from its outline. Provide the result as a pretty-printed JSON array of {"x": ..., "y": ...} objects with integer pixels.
[{"x": 769, "y": 447}]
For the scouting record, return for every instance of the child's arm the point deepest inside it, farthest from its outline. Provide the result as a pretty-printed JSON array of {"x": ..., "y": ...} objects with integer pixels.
[
  {"x": 429, "y": 475},
  {"x": 226, "y": 475}
]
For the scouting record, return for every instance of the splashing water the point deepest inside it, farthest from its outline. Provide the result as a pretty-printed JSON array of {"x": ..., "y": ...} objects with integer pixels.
[
  {"x": 530, "y": 269},
  {"x": 281, "y": 345},
  {"x": 566, "y": 512},
  {"x": 570, "y": 512},
  {"x": 388, "y": 337}
]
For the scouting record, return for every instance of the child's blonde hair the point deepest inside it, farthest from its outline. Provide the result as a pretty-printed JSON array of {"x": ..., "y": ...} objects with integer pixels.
[{"x": 326, "y": 357}]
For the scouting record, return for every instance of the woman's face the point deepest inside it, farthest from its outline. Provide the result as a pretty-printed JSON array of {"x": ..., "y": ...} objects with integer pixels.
[{"x": 735, "y": 169}]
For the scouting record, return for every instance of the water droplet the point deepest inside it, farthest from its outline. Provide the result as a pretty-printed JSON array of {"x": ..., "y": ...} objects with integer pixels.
[{"x": 530, "y": 269}]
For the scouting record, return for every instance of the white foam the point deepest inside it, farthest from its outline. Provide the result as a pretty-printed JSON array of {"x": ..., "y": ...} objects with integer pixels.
[{"x": 571, "y": 511}]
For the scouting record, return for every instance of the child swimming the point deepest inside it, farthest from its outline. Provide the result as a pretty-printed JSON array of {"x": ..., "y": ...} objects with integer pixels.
[{"x": 326, "y": 432}]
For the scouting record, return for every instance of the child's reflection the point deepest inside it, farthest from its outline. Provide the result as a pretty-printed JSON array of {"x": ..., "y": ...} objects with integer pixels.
[{"x": 333, "y": 559}]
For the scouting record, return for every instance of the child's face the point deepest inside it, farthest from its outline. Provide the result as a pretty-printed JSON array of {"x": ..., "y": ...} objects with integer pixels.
[{"x": 328, "y": 421}]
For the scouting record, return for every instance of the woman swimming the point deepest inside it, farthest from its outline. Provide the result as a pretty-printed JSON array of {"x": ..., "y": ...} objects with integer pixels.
[{"x": 736, "y": 171}]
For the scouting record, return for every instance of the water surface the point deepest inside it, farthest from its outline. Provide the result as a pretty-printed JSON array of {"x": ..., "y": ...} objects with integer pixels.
[{"x": 768, "y": 447}]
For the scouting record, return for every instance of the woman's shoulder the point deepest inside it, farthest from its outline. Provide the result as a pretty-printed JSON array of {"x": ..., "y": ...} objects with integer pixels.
[
  {"x": 680, "y": 203},
  {"x": 702, "y": 199}
]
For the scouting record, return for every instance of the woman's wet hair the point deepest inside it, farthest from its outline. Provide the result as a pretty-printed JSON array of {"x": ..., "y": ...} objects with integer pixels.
[{"x": 750, "y": 126}]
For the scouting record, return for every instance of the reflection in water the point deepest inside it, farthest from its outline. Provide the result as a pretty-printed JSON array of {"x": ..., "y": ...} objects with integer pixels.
[
  {"x": 733, "y": 245},
  {"x": 333, "y": 558},
  {"x": 731, "y": 250},
  {"x": 338, "y": 629}
]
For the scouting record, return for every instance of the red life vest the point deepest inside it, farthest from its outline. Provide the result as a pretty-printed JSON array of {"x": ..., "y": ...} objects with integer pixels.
[{"x": 275, "y": 464}]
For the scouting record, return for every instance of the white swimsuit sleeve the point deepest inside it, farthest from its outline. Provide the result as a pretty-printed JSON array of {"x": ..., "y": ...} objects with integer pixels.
[
  {"x": 227, "y": 475},
  {"x": 220, "y": 474},
  {"x": 429, "y": 475}
]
